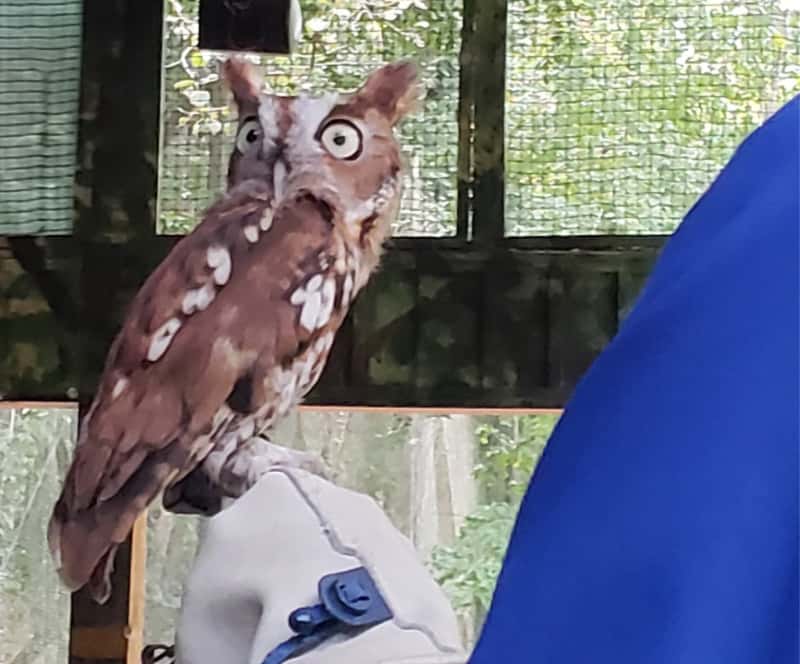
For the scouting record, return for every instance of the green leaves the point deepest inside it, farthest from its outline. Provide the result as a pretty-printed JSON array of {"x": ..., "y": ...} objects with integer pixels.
[
  {"x": 621, "y": 113},
  {"x": 468, "y": 569},
  {"x": 509, "y": 449}
]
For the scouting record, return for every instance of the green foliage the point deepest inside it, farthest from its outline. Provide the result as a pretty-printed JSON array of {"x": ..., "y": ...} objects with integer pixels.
[
  {"x": 467, "y": 570},
  {"x": 509, "y": 449},
  {"x": 620, "y": 113}
]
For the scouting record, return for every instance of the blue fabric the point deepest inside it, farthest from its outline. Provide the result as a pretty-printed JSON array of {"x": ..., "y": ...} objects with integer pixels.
[{"x": 661, "y": 525}]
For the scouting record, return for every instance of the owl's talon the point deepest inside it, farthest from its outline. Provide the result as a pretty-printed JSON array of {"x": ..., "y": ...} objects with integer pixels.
[
  {"x": 195, "y": 494},
  {"x": 257, "y": 456}
]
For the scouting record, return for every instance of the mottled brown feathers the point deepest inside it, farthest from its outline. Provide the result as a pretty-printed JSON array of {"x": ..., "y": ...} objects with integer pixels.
[{"x": 146, "y": 433}]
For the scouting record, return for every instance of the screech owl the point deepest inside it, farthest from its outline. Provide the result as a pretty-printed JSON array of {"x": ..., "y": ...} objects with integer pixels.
[{"x": 234, "y": 327}]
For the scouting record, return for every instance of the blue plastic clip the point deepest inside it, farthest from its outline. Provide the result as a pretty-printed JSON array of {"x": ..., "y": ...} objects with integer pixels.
[{"x": 349, "y": 602}]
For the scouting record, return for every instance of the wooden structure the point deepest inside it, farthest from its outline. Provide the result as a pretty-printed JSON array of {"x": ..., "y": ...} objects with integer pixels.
[{"x": 477, "y": 320}]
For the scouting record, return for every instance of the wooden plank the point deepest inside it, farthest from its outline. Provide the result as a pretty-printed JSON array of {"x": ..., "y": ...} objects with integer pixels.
[
  {"x": 385, "y": 331},
  {"x": 136, "y": 591},
  {"x": 488, "y": 139},
  {"x": 448, "y": 358},
  {"x": 116, "y": 180},
  {"x": 516, "y": 329},
  {"x": 466, "y": 119},
  {"x": 582, "y": 319},
  {"x": 392, "y": 410}
]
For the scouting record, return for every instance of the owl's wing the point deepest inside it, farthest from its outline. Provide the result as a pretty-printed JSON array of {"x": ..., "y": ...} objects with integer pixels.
[{"x": 221, "y": 308}]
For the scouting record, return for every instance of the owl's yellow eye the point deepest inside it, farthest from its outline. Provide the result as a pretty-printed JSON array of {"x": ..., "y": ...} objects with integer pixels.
[
  {"x": 342, "y": 139},
  {"x": 249, "y": 136}
]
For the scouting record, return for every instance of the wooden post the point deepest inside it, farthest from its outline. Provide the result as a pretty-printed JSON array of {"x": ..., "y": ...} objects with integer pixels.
[
  {"x": 466, "y": 118},
  {"x": 113, "y": 633},
  {"x": 488, "y": 143},
  {"x": 116, "y": 183}
]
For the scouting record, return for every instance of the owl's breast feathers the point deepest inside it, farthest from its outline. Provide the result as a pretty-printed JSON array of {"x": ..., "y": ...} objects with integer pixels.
[{"x": 230, "y": 331}]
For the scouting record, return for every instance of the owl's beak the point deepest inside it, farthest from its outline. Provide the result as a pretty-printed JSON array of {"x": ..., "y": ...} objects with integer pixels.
[{"x": 280, "y": 173}]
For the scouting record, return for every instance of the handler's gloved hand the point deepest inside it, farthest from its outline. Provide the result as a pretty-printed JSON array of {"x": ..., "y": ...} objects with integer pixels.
[{"x": 262, "y": 558}]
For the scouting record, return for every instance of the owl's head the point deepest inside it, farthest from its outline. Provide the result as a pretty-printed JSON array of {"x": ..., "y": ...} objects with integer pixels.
[{"x": 341, "y": 146}]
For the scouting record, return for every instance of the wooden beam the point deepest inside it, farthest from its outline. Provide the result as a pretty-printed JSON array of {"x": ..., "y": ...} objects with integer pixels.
[
  {"x": 414, "y": 410},
  {"x": 116, "y": 191},
  {"x": 466, "y": 119},
  {"x": 441, "y": 325},
  {"x": 488, "y": 141},
  {"x": 113, "y": 633}
]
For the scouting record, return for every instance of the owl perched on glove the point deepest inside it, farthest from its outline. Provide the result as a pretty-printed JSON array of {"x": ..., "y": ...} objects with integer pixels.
[{"x": 234, "y": 327}]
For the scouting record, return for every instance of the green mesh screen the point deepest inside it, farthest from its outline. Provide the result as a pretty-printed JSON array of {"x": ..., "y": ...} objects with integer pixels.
[
  {"x": 342, "y": 41},
  {"x": 619, "y": 113},
  {"x": 40, "y": 45}
]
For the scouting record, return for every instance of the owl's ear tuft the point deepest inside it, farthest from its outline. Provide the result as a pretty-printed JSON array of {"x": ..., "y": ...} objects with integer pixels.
[
  {"x": 394, "y": 90},
  {"x": 243, "y": 81}
]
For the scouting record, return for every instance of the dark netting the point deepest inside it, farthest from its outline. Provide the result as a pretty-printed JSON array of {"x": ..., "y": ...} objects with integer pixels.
[
  {"x": 40, "y": 47},
  {"x": 620, "y": 113},
  {"x": 342, "y": 42}
]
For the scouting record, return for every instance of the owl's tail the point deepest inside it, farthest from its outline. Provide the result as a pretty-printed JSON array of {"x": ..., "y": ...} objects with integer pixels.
[
  {"x": 84, "y": 539},
  {"x": 84, "y": 554}
]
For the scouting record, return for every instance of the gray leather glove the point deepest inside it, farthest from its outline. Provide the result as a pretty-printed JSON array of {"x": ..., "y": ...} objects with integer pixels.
[{"x": 262, "y": 558}]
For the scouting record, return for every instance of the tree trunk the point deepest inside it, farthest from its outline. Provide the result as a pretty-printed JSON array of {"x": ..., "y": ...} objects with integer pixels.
[{"x": 424, "y": 507}]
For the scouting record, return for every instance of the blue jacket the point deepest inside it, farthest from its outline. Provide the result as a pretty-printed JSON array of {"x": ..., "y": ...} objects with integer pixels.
[{"x": 661, "y": 525}]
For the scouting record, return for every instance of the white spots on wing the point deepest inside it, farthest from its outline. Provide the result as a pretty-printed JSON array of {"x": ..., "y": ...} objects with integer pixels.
[
  {"x": 162, "y": 338},
  {"x": 324, "y": 343},
  {"x": 197, "y": 299},
  {"x": 316, "y": 299},
  {"x": 298, "y": 297},
  {"x": 324, "y": 261},
  {"x": 347, "y": 289},
  {"x": 265, "y": 222},
  {"x": 284, "y": 385},
  {"x": 119, "y": 387},
  {"x": 251, "y": 234},
  {"x": 291, "y": 384},
  {"x": 304, "y": 368},
  {"x": 219, "y": 260},
  {"x": 314, "y": 283},
  {"x": 311, "y": 310},
  {"x": 326, "y": 307}
]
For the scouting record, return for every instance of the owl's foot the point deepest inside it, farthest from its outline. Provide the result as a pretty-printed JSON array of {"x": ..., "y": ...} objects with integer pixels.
[
  {"x": 194, "y": 494},
  {"x": 253, "y": 458},
  {"x": 228, "y": 472}
]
